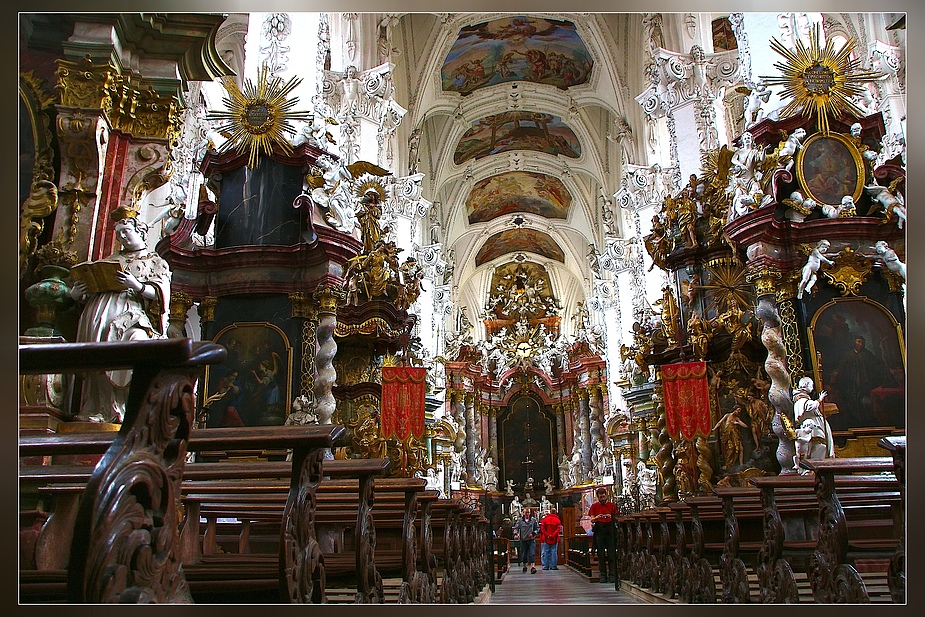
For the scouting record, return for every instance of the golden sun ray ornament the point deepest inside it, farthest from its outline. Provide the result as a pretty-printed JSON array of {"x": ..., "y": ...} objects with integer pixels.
[
  {"x": 260, "y": 116},
  {"x": 819, "y": 79}
]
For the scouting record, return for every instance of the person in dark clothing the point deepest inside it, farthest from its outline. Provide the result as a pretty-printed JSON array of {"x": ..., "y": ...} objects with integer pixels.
[
  {"x": 603, "y": 514},
  {"x": 528, "y": 527},
  {"x": 859, "y": 372}
]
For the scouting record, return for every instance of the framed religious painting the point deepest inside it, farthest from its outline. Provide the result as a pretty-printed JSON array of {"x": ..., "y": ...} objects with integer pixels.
[
  {"x": 829, "y": 167},
  {"x": 860, "y": 361},
  {"x": 253, "y": 386}
]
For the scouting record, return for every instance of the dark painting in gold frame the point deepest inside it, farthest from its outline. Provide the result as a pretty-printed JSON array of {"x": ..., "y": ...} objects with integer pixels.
[
  {"x": 829, "y": 167},
  {"x": 867, "y": 384},
  {"x": 256, "y": 377}
]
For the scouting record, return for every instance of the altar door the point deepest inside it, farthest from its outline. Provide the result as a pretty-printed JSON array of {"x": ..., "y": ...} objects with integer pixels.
[{"x": 513, "y": 441}]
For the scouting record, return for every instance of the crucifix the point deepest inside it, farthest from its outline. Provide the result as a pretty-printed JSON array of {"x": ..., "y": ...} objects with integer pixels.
[{"x": 528, "y": 463}]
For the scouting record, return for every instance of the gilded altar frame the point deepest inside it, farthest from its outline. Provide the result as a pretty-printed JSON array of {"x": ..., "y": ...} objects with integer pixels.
[{"x": 829, "y": 166}]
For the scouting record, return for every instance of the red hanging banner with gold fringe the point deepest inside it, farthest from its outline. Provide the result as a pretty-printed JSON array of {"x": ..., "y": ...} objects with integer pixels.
[
  {"x": 403, "y": 401},
  {"x": 687, "y": 399}
]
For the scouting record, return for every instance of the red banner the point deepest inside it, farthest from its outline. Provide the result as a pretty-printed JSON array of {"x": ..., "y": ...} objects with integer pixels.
[
  {"x": 403, "y": 401},
  {"x": 687, "y": 399}
]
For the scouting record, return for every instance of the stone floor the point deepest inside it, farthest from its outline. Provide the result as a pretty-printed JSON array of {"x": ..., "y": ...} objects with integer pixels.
[{"x": 562, "y": 586}]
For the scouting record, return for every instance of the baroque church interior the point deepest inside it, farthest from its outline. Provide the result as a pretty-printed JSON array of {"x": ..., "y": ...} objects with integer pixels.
[{"x": 314, "y": 306}]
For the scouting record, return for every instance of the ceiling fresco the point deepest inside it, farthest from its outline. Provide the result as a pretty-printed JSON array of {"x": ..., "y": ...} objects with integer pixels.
[
  {"x": 516, "y": 48},
  {"x": 517, "y": 130},
  {"x": 518, "y": 191},
  {"x": 516, "y": 240}
]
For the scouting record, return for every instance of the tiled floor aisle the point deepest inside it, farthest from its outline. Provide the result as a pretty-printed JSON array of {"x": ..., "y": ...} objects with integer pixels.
[{"x": 562, "y": 586}]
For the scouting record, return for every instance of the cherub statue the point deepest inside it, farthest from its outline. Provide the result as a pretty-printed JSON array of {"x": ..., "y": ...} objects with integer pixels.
[
  {"x": 798, "y": 207},
  {"x": 889, "y": 258},
  {"x": 813, "y": 263},
  {"x": 550, "y": 486},
  {"x": 787, "y": 153},
  {"x": 754, "y": 99},
  {"x": 509, "y": 488},
  {"x": 847, "y": 207},
  {"x": 890, "y": 203},
  {"x": 302, "y": 411}
]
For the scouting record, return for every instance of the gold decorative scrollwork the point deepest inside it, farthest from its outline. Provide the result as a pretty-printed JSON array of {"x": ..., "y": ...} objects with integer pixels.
[
  {"x": 790, "y": 330},
  {"x": 851, "y": 270},
  {"x": 373, "y": 325},
  {"x": 43, "y": 193},
  {"x": 765, "y": 280},
  {"x": 329, "y": 297},
  {"x": 207, "y": 308}
]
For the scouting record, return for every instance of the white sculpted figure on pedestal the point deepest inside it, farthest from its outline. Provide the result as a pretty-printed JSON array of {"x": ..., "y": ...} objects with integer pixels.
[
  {"x": 517, "y": 509},
  {"x": 550, "y": 486},
  {"x": 646, "y": 477},
  {"x": 336, "y": 196},
  {"x": 134, "y": 310},
  {"x": 509, "y": 488},
  {"x": 814, "y": 437}
]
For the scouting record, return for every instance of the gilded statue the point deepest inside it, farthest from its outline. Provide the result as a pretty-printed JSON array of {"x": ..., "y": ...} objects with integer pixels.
[
  {"x": 729, "y": 437},
  {"x": 699, "y": 334}
]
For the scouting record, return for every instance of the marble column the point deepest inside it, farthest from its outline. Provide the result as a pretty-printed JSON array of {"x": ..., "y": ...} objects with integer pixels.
[
  {"x": 493, "y": 433},
  {"x": 328, "y": 297},
  {"x": 766, "y": 280},
  {"x": 584, "y": 425},
  {"x": 459, "y": 414},
  {"x": 560, "y": 430},
  {"x": 471, "y": 437}
]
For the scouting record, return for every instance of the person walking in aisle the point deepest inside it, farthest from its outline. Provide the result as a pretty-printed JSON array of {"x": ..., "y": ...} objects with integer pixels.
[
  {"x": 550, "y": 530},
  {"x": 603, "y": 513},
  {"x": 527, "y": 528}
]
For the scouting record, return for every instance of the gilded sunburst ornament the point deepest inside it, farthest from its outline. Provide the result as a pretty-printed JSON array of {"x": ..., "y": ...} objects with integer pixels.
[
  {"x": 819, "y": 79},
  {"x": 727, "y": 282},
  {"x": 260, "y": 116}
]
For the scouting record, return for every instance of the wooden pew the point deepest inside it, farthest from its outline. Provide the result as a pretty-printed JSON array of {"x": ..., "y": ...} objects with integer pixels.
[
  {"x": 794, "y": 563},
  {"x": 124, "y": 545},
  {"x": 294, "y": 579},
  {"x": 897, "y": 574},
  {"x": 257, "y": 503},
  {"x": 744, "y": 518},
  {"x": 872, "y": 539}
]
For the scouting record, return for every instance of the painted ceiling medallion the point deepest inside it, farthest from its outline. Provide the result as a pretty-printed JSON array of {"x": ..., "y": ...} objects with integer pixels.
[
  {"x": 260, "y": 116},
  {"x": 820, "y": 80}
]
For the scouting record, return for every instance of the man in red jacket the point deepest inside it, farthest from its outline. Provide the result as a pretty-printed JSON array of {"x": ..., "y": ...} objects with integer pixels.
[
  {"x": 603, "y": 514},
  {"x": 550, "y": 530}
]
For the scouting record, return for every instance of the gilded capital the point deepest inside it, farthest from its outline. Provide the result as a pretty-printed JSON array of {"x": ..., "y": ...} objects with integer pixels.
[
  {"x": 583, "y": 393},
  {"x": 765, "y": 279},
  {"x": 207, "y": 308},
  {"x": 303, "y": 305},
  {"x": 180, "y": 304},
  {"x": 329, "y": 297},
  {"x": 87, "y": 85}
]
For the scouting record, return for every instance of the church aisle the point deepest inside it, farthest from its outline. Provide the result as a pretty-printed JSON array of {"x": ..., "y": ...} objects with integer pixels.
[{"x": 562, "y": 586}]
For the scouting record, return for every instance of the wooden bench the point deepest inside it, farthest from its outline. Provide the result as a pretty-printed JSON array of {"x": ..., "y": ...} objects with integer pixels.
[
  {"x": 856, "y": 534},
  {"x": 249, "y": 508},
  {"x": 297, "y": 480},
  {"x": 897, "y": 573},
  {"x": 124, "y": 545},
  {"x": 794, "y": 563},
  {"x": 744, "y": 539}
]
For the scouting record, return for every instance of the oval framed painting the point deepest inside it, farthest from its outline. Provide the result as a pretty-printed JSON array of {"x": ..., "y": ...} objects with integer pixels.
[{"x": 830, "y": 167}]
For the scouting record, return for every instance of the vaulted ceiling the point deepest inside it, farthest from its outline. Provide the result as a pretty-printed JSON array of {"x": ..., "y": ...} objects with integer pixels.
[{"x": 512, "y": 113}]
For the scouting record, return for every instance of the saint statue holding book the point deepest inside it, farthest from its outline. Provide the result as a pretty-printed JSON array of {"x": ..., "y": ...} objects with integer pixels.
[{"x": 126, "y": 296}]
